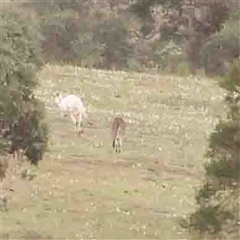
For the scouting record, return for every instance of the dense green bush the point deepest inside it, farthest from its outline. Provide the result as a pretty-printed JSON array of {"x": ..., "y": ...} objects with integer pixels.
[
  {"x": 183, "y": 69},
  {"x": 222, "y": 47},
  {"x": 20, "y": 58},
  {"x": 60, "y": 25},
  {"x": 217, "y": 215},
  {"x": 96, "y": 34},
  {"x": 59, "y": 31},
  {"x": 112, "y": 35},
  {"x": 169, "y": 56},
  {"x": 207, "y": 30},
  {"x": 78, "y": 33}
]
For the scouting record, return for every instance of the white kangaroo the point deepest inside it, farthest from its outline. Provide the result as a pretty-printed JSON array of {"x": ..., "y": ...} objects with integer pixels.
[{"x": 73, "y": 106}]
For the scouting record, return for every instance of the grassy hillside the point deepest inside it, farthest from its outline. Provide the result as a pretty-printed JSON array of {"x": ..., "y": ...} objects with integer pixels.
[{"x": 85, "y": 190}]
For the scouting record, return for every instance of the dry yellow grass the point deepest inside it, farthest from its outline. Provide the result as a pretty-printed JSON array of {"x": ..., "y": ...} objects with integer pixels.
[{"x": 84, "y": 190}]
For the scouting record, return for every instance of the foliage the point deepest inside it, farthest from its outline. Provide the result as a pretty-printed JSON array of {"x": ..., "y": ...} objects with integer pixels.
[
  {"x": 59, "y": 31},
  {"x": 3, "y": 167},
  {"x": 142, "y": 8},
  {"x": 222, "y": 47},
  {"x": 49, "y": 7},
  {"x": 206, "y": 30},
  {"x": 186, "y": 22},
  {"x": 83, "y": 50},
  {"x": 20, "y": 59},
  {"x": 217, "y": 215},
  {"x": 145, "y": 9},
  {"x": 112, "y": 35},
  {"x": 168, "y": 55},
  {"x": 79, "y": 32},
  {"x": 183, "y": 69},
  {"x": 61, "y": 25},
  {"x": 101, "y": 34},
  {"x": 232, "y": 82}
]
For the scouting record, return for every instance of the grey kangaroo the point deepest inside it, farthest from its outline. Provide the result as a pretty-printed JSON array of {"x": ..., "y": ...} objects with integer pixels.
[{"x": 118, "y": 132}]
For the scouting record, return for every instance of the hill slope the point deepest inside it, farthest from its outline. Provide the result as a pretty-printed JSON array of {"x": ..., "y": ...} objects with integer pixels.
[{"x": 84, "y": 190}]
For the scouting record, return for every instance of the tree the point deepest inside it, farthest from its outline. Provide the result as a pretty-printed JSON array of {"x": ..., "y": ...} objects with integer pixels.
[
  {"x": 21, "y": 114},
  {"x": 223, "y": 46},
  {"x": 191, "y": 22},
  {"x": 217, "y": 215},
  {"x": 85, "y": 32},
  {"x": 112, "y": 35}
]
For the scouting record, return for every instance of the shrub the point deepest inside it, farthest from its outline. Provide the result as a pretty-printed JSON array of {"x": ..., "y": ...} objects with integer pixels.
[
  {"x": 217, "y": 215},
  {"x": 222, "y": 47},
  {"x": 20, "y": 59},
  {"x": 112, "y": 35},
  {"x": 169, "y": 55},
  {"x": 3, "y": 167},
  {"x": 183, "y": 69},
  {"x": 134, "y": 65}
]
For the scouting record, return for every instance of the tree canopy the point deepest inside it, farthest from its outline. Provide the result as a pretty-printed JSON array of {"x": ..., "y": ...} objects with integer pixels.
[{"x": 20, "y": 58}]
